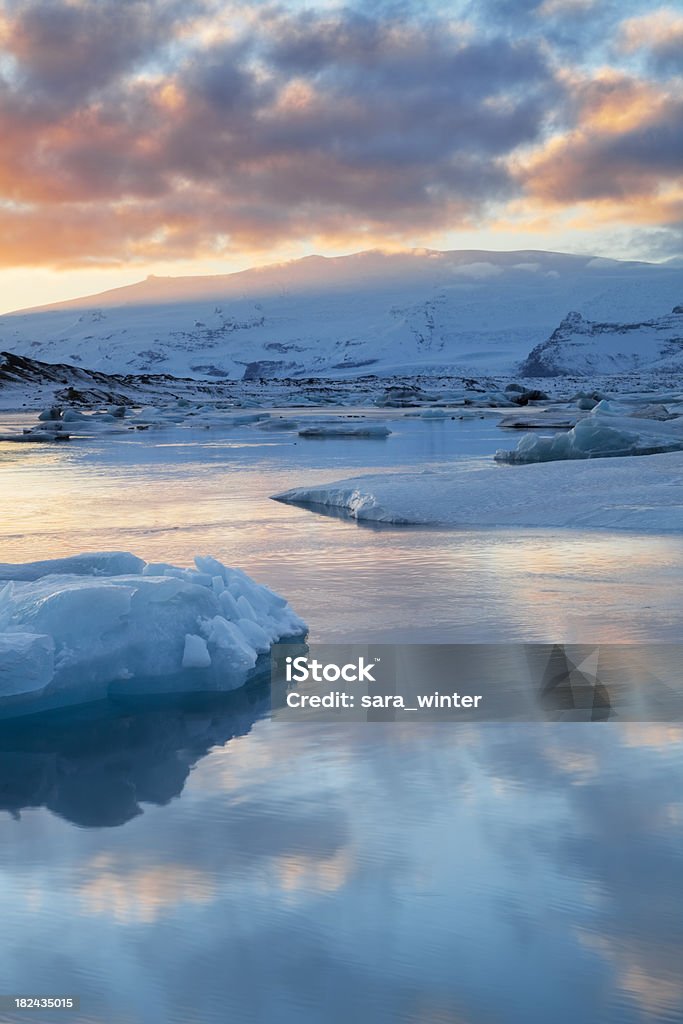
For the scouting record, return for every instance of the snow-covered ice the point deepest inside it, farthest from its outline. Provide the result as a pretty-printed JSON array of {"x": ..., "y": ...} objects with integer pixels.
[
  {"x": 619, "y": 493},
  {"x": 71, "y": 627}
]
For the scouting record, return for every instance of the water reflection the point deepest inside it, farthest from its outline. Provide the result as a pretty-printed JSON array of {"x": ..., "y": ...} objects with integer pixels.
[
  {"x": 423, "y": 585},
  {"x": 386, "y": 874},
  {"x": 95, "y": 766}
]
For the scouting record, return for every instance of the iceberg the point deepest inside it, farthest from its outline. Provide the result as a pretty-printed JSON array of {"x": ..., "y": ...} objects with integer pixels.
[
  {"x": 73, "y": 628},
  {"x": 606, "y": 431}
]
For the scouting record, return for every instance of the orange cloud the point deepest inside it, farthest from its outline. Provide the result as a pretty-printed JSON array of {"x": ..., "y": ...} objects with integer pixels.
[
  {"x": 620, "y": 162},
  {"x": 659, "y": 30},
  {"x": 614, "y": 103}
]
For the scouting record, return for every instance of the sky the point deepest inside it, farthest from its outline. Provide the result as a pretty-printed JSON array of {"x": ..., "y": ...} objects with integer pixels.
[{"x": 202, "y": 136}]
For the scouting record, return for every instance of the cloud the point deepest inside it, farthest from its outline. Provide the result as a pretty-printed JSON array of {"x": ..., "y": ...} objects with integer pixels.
[
  {"x": 660, "y": 243},
  {"x": 567, "y": 8},
  {"x": 149, "y": 129},
  {"x": 300, "y": 125},
  {"x": 659, "y": 34},
  {"x": 625, "y": 151},
  {"x": 63, "y": 50}
]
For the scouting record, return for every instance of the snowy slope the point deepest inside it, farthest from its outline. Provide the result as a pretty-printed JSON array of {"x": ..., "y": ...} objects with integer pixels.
[
  {"x": 581, "y": 346},
  {"x": 465, "y": 311}
]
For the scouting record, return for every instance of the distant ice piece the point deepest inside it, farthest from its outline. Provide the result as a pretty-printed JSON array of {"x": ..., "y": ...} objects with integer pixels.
[
  {"x": 344, "y": 428},
  {"x": 545, "y": 419},
  {"x": 71, "y": 627},
  {"x": 435, "y": 414},
  {"x": 607, "y": 431},
  {"x": 278, "y": 423}
]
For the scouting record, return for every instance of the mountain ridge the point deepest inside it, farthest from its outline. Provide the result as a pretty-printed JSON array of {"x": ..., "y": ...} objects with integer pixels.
[
  {"x": 258, "y": 273},
  {"x": 465, "y": 311}
]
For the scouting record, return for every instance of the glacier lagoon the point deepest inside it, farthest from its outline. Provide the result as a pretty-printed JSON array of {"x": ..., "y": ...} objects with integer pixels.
[{"x": 192, "y": 859}]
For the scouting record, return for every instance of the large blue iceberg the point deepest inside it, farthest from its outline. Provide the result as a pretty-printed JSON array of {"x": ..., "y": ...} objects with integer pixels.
[{"x": 80, "y": 625}]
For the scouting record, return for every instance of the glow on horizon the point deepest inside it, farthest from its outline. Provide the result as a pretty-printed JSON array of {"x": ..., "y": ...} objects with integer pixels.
[{"x": 26, "y": 287}]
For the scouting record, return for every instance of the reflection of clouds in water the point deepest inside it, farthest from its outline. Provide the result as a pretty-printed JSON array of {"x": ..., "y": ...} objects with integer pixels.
[
  {"x": 650, "y": 978},
  {"x": 345, "y": 872},
  {"x": 140, "y": 896},
  {"x": 572, "y": 587},
  {"x": 578, "y": 765},
  {"x": 659, "y": 736},
  {"x": 622, "y": 836},
  {"x": 306, "y": 874}
]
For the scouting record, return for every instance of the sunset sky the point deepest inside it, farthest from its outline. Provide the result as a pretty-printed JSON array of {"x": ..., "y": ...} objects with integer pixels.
[{"x": 194, "y": 136}]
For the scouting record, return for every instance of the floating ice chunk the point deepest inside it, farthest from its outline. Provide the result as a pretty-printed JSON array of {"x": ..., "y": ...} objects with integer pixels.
[
  {"x": 488, "y": 399},
  {"x": 278, "y": 423},
  {"x": 246, "y": 418},
  {"x": 66, "y": 637},
  {"x": 344, "y": 428},
  {"x": 545, "y": 419},
  {"x": 604, "y": 432},
  {"x": 435, "y": 414}
]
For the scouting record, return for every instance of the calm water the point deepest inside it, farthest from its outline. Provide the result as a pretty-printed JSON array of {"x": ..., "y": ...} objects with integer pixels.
[{"x": 200, "y": 863}]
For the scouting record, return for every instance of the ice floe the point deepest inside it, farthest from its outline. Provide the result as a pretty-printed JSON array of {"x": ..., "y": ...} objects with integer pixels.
[
  {"x": 71, "y": 628},
  {"x": 619, "y": 493}
]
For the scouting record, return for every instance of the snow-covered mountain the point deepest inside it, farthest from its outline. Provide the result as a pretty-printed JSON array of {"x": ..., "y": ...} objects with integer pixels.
[
  {"x": 463, "y": 311},
  {"x": 584, "y": 347}
]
